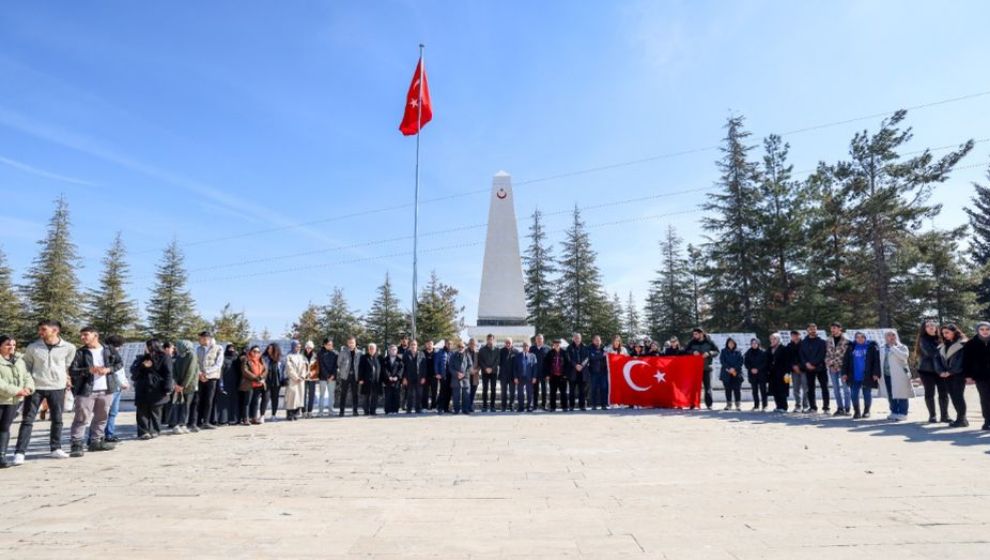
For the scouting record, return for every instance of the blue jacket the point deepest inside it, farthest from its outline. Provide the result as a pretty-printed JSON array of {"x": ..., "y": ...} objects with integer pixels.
[
  {"x": 525, "y": 367},
  {"x": 730, "y": 359},
  {"x": 440, "y": 362}
]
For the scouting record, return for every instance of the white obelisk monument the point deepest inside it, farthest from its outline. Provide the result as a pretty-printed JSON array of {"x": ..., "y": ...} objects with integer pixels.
[{"x": 502, "y": 303}]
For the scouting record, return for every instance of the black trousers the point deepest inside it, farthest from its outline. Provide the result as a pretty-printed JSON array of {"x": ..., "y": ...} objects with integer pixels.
[
  {"x": 558, "y": 384},
  {"x": 7, "y": 413},
  {"x": 540, "y": 392},
  {"x": 349, "y": 385},
  {"x": 488, "y": 391},
  {"x": 822, "y": 377},
  {"x": 444, "y": 395},
  {"x": 55, "y": 399},
  {"x": 391, "y": 403},
  {"x": 149, "y": 418},
  {"x": 274, "y": 390},
  {"x": 706, "y": 386},
  {"x": 932, "y": 384},
  {"x": 577, "y": 389},
  {"x": 201, "y": 409},
  {"x": 780, "y": 390},
  {"x": 983, "y": 387},
  {"x": 430, "y": 393},
  {"x": 251, "y": 401},
  {"x": 759, "y": 392},
  {"x": 957, "y": 394},
  {"x": 371, "y": 401},
  {"x": 414, "y": 396},
  {"x": 508, "y": 393}
]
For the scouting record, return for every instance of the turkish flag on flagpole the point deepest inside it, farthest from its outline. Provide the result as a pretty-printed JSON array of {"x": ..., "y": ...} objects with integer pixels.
[
  {"x": 419, "y": 110},
  {"x": 655, "y": 381}
]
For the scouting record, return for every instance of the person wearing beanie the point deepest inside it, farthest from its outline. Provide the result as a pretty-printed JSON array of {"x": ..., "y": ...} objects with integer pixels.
[{"x": 976, "y": 364}]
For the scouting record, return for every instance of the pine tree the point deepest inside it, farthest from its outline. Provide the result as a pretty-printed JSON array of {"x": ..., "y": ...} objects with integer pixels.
[
  {"x": 307, "y": 327},
  {"x": 733, "y": 269},
  {"x": 338, "y": 321},
  {"x": 938, "y": 283},
  {"x": 386, "y": 321},
  {"x": 889, "y": 197},
  {"x": 979, "y": 244},
  {"x": 606, "y": 319},
  {"x": 438, "y": 315},
  {"x": 580, "y": 287},
  {"x": 232, "y": 326},
  {"x": 541, "y": 267},
  {"x": 171, "y": 311},
  {"x": 631, "y": 327},
  {"x": 52, "y": 289},
  {"x": 833, "y": 284},
  {"x": 695, "y": 267},
  {"x": 109, "y": 308},
  {"x": 669, "y": 307},
  {"x": 11, "y": 307},
  {"x": 780, "y": 217}
]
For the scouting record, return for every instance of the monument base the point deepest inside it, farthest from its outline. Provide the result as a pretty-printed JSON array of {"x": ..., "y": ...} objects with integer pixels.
[{"x": 517, "y": 333}]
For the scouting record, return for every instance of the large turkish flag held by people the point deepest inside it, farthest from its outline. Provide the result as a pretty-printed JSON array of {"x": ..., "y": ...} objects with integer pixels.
[
  {"x": 655, "y": 381},
  {"x": 419, "y": 108}
]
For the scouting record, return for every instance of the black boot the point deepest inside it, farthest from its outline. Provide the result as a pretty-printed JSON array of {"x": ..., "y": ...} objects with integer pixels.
[
  {"x": 856, "y": 414},
  {"x": 102, "y": 445},
  {"x": 4, "y": 440},
  {"x": 866, "y": 412},
  {"x": 77, "y": 449}
]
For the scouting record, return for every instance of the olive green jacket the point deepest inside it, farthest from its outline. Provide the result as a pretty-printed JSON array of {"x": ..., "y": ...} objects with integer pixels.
[{"x": 14, "y": 376}]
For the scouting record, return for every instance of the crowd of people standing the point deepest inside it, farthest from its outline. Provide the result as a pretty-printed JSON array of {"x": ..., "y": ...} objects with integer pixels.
[{"x": 184, "y": 387}]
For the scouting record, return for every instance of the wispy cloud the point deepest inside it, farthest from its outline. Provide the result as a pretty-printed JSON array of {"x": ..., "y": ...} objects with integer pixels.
[
  {"x": 94, "y": 147},
  {"x": 37, "y": 171}
]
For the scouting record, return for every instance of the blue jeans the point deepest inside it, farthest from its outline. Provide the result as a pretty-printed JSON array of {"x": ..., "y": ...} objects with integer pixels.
[
  {"x": 897, "y": 406},
  {"x": 843, "y": 399},
  {"x": 112, "y": 418},
  {"x": 855, "y": 388}
]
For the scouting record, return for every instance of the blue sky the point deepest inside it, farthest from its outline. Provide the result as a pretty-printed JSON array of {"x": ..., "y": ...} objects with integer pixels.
[{"x": 203, "y": 121}]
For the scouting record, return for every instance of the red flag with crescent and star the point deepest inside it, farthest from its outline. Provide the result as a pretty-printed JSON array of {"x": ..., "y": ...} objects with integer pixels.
[
  {"x": 419, "y": 109},
  {"x": 655, "y": 381}
]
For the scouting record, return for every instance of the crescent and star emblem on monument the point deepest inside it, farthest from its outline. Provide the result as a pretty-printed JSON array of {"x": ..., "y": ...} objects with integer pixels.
[
  {"x": 660, "y": 376},
  {"x": 501, "y": 194}
]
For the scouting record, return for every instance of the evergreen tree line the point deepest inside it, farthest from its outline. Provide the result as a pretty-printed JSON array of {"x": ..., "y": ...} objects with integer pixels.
[
  {"x": 849, "y": 243},
  {"x": 52, "y": 291}
]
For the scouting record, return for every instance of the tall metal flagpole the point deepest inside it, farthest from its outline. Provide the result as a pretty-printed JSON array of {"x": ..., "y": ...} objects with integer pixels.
[{"x": 419, "y": 126}]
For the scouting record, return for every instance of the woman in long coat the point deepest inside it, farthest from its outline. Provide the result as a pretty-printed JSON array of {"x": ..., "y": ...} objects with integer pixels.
[
  {"x": 896, "y": 384},
  {"x": 226, "y": 409},
  {"x": 296, "y": 371},
  {"x": 757, "y": 362}
]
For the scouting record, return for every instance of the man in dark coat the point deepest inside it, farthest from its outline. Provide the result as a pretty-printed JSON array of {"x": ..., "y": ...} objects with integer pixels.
[
  {"x": 412, "y": 378},
  {"x": 701, "y": 345},
  {"x": 555, "y": 366},
  {"x": 578, "y": 358},
  {"x": 488, "y": 362},
  {"x": 506, "y": 374},
  {"x": 811, "y": 353},
  {"x": 459, "y": 378},
  {"x": 370, "y": 379},
  {"x": 392, "y": 371},
  {"x": 540, "y": 350}
]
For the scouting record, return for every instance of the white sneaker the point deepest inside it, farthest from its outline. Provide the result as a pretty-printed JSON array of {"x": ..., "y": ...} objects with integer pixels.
[
  {"x": 177, "y": 431},
  {"x": 261, "y": 419},
  {"x": 892, "y": 416},
  {"x": 18, "y": 459},
  {"x": 57, "y": 454}
]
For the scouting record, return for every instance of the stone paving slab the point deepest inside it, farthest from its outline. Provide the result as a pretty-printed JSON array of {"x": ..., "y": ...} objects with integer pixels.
[{"x": 623, "y": 484}]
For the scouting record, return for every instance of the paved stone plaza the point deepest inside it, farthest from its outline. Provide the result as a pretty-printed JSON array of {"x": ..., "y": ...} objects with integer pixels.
[{"x": 622, "y": 484}]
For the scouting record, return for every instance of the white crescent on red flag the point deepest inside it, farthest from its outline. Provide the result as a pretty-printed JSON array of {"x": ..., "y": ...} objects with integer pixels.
[{"x": 655, "y": 381}]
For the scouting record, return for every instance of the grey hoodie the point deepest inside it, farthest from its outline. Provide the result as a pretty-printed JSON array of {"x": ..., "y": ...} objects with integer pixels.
[{"x": 49, "y": 366}]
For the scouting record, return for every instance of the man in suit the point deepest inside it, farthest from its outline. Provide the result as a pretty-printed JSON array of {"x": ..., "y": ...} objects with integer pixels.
[
  {"x": 506, "y": 374},
  {"x": 348, "y": 362},
  {"x": 412, "y": 378},
  {"x": 577, "y": 373}
]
